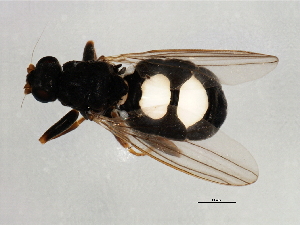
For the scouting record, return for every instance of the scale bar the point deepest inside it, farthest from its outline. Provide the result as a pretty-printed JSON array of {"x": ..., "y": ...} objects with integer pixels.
[{"x": 216, "y": 202}]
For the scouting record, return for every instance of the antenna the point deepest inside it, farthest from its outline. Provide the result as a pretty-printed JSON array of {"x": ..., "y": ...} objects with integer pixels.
[
  {"x": 23, "y": 100},
  {"x": 38, "y": 42},
  {"x": 31, "y": 66}
]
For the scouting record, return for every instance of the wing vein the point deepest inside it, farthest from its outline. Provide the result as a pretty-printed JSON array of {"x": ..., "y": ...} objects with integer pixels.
[{"x": 222, "y": 157}]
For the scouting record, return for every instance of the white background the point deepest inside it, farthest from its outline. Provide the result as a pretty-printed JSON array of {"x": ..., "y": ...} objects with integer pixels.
[{"x": 85, "y": 177}]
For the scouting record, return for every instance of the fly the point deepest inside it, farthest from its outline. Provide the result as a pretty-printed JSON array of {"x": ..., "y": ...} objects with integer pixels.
[{"x": 167, "y": 104}]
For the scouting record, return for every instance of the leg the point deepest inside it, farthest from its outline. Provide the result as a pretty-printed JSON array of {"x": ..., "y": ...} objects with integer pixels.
[
  {"x": 128, "y": 147},
  {"x": 72, "y": 127},
  {"x": 89, "y": 52},
  {"x": 63, "y": 126}
]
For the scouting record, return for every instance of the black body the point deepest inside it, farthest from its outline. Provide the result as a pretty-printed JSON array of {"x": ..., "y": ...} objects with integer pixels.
[
  {"x": 98, "y": 86},
  {"x": 84, "y": 86}
]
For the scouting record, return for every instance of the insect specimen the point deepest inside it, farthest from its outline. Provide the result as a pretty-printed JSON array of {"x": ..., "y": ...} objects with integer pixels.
[{"x": 167, "y": 104}]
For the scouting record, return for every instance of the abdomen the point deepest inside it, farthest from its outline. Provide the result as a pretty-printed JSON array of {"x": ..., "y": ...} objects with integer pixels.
[{"x": 174, "y": 99}]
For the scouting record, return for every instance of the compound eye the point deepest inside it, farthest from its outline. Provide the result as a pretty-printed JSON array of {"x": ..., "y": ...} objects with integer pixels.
[{"x": 43, "y": 96}]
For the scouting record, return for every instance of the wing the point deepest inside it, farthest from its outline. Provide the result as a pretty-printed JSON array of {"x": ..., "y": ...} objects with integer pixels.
[
  {"x": 231, "y": 67},
  {"x": 218, "y": 159}
]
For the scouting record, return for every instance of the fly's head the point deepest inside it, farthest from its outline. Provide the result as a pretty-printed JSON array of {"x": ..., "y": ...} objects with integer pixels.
[{"x": 42, "y": 80}]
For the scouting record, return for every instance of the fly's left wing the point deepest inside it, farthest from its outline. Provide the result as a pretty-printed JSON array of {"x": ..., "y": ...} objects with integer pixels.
[
  {"x": 218, "y": 159},
  {"x": 231, "y": 67}
]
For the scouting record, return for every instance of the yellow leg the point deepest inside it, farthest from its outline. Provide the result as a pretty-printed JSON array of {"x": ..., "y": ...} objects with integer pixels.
[
  {"x": 128, "y": 146},
  {"x": 136, "y": 153}
]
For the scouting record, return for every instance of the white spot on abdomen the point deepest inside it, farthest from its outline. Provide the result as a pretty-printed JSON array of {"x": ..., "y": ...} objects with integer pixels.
[
  {"x": 155, "y": 96},
  {"x": 193, "y": 102}
]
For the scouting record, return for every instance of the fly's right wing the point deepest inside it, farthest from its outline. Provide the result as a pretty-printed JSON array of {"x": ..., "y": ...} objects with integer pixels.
[{"x": 218, "y": 159}]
